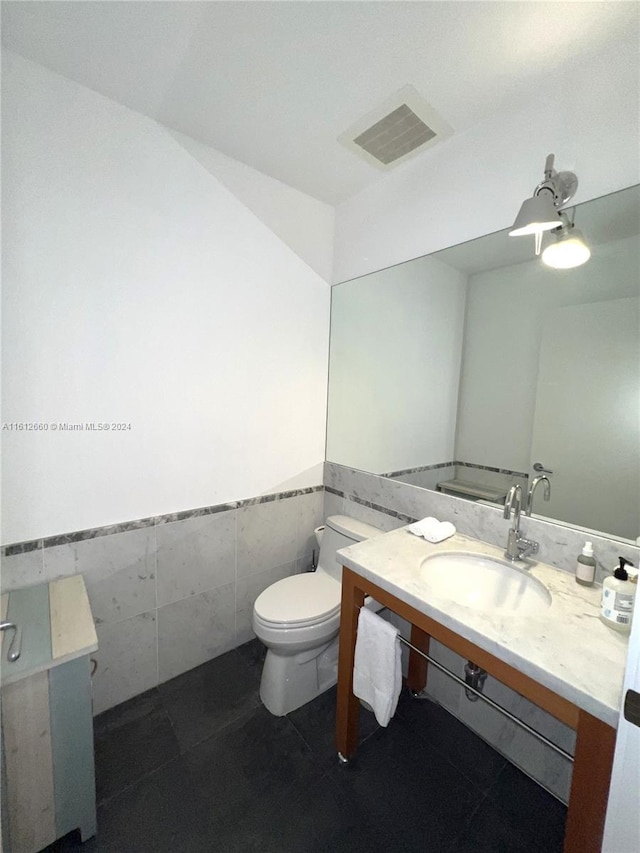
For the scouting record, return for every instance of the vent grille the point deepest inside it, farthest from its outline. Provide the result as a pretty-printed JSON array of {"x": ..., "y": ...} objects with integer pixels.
[
  {"x": 395, "y": 135},
  {"x": 403, "y": 125}
]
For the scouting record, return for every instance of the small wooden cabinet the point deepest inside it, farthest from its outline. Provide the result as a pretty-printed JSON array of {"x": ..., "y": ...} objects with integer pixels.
[{"x": 48, "y": 779}]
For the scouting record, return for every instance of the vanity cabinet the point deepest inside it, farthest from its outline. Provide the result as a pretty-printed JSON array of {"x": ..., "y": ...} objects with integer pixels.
[
  {"x": 48, "y": 779},
  {"x": 540, "y": 657}
]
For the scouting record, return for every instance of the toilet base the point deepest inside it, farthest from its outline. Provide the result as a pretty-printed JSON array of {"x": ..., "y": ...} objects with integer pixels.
[{"x": 290, "y": 681}]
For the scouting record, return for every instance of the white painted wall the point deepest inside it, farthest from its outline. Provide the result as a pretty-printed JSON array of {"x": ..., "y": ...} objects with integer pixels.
[
  {"x": 302, "y": 222},
  {"x": 396, "y": 342},
  {"x": 505, "y": 317},
  {"x": 475, "y": 181},
  {"x": 139, "y": 289}
]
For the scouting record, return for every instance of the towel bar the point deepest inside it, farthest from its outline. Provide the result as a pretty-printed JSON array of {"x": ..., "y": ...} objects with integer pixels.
[{"x": 499, "y": 708}]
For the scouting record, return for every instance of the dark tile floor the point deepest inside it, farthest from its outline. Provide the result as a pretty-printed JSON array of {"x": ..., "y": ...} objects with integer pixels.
[{"x": 199, "y": 765}]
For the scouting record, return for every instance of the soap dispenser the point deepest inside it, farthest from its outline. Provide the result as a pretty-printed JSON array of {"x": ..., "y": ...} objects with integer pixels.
[
  {"x": 586, "y": 566},
  {"x": 618, "y": 593}
]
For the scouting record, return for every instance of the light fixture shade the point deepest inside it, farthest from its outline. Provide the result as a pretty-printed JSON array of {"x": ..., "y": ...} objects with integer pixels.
[
  {"x": 568, "y": 251},
  {"x": 536, "y": 214}
]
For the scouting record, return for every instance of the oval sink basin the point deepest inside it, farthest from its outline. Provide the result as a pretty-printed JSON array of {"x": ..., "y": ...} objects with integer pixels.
[{"x": 484, "y": 583}]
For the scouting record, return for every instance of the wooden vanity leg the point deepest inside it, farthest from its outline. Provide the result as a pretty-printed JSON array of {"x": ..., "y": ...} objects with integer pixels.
[
  {"x": 590, "y": 785},
  {"x": 417, "y": 672},
  {"x": 348, "y": 706}
]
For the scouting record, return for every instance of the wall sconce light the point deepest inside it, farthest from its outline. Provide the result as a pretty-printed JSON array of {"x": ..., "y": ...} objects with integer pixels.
[{"x": 541, "y": 213}]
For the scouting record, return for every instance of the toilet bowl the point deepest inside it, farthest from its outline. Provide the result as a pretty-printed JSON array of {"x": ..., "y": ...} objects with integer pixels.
[{"x": 298, "y": 619}]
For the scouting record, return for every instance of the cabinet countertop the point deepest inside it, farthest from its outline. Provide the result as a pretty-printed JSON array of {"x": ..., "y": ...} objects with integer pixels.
[
  {"x": 565, "y": 647},
  {"x": 56, "y": 622}
]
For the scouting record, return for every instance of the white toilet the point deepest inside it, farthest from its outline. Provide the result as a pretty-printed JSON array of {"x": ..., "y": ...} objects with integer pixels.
[{"x": 297, "y": 618}]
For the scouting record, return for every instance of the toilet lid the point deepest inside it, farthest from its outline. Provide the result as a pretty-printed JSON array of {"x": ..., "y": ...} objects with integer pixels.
[{"x": 304, "y": 599}]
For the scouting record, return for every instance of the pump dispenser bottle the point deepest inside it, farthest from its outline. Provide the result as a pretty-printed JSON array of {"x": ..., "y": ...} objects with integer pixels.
[
  {"x": 586, "y": 566},
  {"x": 618, "y": 593}
]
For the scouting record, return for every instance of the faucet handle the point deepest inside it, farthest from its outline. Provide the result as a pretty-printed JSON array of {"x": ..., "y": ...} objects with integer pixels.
[
  {"x": 527, "y": 547},
  {"x": 539, "y": 467}
]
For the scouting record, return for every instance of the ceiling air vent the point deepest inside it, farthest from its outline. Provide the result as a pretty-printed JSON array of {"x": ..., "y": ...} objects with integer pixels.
[{"x": 401, "y": 127}]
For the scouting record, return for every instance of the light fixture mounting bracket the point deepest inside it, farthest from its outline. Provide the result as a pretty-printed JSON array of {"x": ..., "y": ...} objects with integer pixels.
[{"x": 561, "y": 185}]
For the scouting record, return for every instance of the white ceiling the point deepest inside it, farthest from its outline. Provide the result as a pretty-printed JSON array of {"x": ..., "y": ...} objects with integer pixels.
[{"x": 273, "y": 84}]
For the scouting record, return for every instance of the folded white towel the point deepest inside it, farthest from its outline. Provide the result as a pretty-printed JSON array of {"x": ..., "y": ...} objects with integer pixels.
[
  {"x": 377, "y": 668},
  {"x": 432, "y": 530}
]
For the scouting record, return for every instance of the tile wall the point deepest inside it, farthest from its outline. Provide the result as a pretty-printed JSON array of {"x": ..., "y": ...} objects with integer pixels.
[
  {"x": 390, "y": 504},
  {"x": 172, "y": 592}
]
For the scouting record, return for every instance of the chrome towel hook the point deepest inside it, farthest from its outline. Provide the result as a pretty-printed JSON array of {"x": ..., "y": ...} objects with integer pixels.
[{"x": 16, "y": 641}]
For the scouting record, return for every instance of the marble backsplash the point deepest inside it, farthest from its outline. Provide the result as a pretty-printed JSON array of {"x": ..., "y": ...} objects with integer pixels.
[
  {"x": 171, "y": 592},
  {"x": 389, "y": 504},
  {"x": 559, "y": 545}
]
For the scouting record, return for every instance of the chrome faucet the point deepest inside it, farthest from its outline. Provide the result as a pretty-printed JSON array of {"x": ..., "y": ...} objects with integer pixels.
[
  {"x": 517, "y": 546},
  {"x": 534, "y": 485}
]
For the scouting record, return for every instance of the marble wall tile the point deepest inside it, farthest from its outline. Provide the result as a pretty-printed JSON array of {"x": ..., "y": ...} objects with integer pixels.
[
  {"x": 411, "y": 501},
  {"x": 267, "y": 536},
  {"x": 532, "y": 756},
  {"x": 535, "y": 758},
  {"x": 304, "y": 563},
  {"x": 119, "y": 571},
  {"x": 195, "y": 555},
  {"x": 333, "y": 505},
  {"x": 22, "y": 569},
  {"x": 195, "y": 629},
  {"x": 163, "y": 590},
  {"x": 127, "y": 659},
  {"x": 541, "y": 763},
  {"x": 248, "y": 589},
  {"x": 371, "y": 516},
  {"x": 310, "y": 509}
]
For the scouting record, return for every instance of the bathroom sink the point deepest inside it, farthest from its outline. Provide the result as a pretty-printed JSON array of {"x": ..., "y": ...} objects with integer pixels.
[{"x": 484, "y": 583}]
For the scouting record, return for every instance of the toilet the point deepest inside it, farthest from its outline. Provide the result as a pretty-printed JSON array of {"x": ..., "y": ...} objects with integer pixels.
[{"x": 297, "y": 618}]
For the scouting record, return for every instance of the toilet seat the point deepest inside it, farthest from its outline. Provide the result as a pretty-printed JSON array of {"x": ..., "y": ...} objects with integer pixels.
[{"x": 299, "y": 601}]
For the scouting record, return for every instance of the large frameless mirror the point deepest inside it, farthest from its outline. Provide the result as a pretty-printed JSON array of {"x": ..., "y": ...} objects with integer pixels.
[{"x": 478, "y": 367}]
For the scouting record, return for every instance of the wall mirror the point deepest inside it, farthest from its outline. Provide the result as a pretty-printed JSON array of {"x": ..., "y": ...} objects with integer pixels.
[{"x": 473, "y": 368}]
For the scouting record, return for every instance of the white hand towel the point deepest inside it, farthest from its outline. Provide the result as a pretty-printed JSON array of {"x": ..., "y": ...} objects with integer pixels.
[
  {"x": 432, "y": 530},
  {"x": 377, "y": 668}
]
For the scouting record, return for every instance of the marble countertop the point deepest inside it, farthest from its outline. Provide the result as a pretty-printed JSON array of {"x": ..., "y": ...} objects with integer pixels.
[
  {"x": 565, "y": 647},
  {"x": 57, "y": 626}
]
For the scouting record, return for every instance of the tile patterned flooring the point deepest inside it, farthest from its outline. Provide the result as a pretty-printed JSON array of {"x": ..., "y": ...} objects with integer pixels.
[{"x": 197, "y": 764}]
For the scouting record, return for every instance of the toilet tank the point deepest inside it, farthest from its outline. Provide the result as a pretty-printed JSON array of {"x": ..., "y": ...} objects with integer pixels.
[{"x": 340, "y": 532}]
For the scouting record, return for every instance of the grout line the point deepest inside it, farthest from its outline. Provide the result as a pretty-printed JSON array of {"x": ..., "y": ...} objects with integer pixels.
[
  {"x": 131, "y": 785},
  {"x": 243, "y": 715},
  {"x": 468, "y": 822},
  {"x": 301, "y": 736},
  {"x": 196, "y": 594}
]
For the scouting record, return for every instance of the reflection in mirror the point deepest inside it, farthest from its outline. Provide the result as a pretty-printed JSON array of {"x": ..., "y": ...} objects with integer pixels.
[{"x": 478, "y": 367}]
